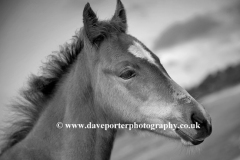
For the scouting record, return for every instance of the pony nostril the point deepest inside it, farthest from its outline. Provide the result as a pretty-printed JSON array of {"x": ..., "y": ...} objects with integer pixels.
[
  {"x": 203, "y": 124},
  {"x": 196, "y": 119}
]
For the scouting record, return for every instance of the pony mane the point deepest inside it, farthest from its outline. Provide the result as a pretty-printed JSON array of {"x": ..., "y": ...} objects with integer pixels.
[{"x": 41, "y": 88}]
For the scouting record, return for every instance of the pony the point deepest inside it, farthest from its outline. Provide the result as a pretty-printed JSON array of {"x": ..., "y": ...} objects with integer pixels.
[{"x": 104, "y": 76}]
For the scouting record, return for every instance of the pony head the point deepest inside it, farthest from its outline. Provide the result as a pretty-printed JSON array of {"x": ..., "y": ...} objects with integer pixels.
[{"x": 131, "y": 85}]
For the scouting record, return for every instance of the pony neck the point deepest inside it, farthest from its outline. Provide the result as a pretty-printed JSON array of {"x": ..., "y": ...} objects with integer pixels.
[{"x": 73, "y": 103}]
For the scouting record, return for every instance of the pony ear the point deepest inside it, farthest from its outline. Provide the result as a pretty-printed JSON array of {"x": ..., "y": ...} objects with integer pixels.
[
  {"x": 120, "y": 16},
  {"x": 90, "y": 22}
]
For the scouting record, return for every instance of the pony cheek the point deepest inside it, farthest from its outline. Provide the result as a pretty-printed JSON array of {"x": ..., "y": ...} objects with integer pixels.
[
  {"x": 115, "y": 98},
  {"x": 139, "y": 92}
]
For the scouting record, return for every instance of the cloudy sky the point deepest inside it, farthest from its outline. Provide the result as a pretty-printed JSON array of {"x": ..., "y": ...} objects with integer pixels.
[{"x": 192, "y": 37}]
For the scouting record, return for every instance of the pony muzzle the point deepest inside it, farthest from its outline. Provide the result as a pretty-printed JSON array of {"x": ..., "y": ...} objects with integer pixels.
[{"x": 195, "y": 136}]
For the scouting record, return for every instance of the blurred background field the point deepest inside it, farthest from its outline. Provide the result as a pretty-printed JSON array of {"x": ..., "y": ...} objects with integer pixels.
[{"x": 197, "y": 41}]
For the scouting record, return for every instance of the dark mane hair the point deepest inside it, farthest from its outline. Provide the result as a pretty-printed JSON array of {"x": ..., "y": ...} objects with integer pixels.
[
  {"x": 42, "y": 87},
  {"x": 40, "y": 90}
]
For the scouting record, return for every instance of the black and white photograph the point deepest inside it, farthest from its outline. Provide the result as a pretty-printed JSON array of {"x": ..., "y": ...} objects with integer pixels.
[{"x": 119, "y": 79}]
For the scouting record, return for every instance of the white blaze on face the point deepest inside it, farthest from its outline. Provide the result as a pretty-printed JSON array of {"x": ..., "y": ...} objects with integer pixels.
[{"x": 138, "y": 51}]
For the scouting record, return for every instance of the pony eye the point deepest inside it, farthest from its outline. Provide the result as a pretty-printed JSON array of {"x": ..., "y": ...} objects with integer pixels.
[{"x": 127, "y": 74}]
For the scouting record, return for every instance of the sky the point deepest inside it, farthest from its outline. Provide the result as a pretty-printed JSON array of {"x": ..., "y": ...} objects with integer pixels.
[{"x": 191, "y": 37}]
